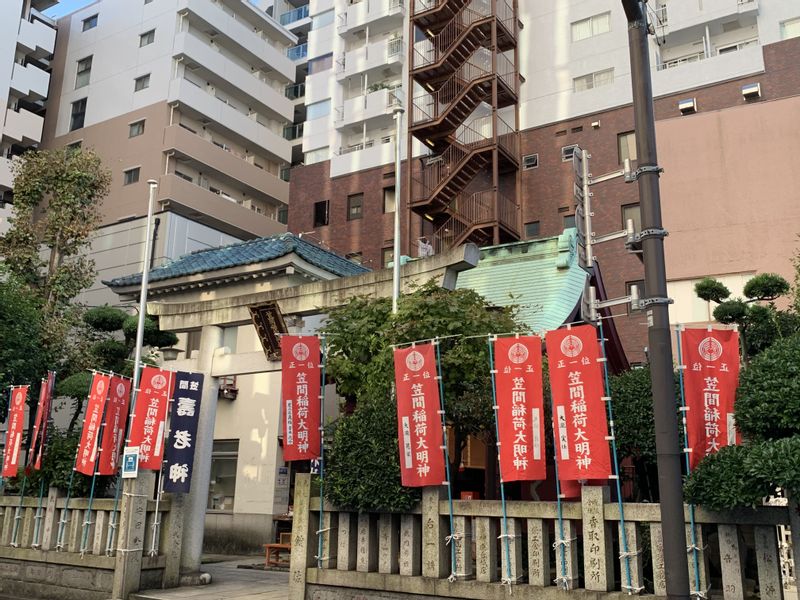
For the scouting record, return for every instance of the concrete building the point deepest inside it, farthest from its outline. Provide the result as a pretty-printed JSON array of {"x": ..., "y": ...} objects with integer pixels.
[
  {"x": 723, "y": 63},
  {"x": 191, "y": 93},
  {"x": 27, "y": 40}
]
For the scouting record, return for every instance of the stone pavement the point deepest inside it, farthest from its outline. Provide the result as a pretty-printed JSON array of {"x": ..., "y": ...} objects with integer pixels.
[{"x": 228, "y": 581}]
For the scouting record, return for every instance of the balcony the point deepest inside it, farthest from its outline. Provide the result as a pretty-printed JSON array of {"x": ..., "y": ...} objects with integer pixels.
[
  {"x": 36, "y": 38},
  {"x": 6, "y": 175},
  {"x": 374, "y": 13},
  {"x": 221, "y": 71},
  {"x": 297, "y": 52},
  {"x": 261, "y": 48},
  {"x": 296, "y": 91},
  {"x": 695, "y": 71},
  {"x": 371, "y": 57},
  {"x": 368, "y": 108},
  {"x": 678, "y": 16},
  {"x": 245, "y": 127},
  {"x": 293, "y": 16},
  {"x": 204, "y": 206},
  {"x": 293, "y": 132},
  {"x": 361, "y": 156},
  {"x": 227, "y": 166},
  {"x": 24, "y": 127},
  {"x": 29, "y": 81}
]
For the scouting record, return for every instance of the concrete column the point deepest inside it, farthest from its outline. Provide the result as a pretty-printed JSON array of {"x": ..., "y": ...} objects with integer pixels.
[
  {"x": 130, "y": 534},
  {"x": 633, "y": 564},
  {"x": 435, "y": 554},
  {"x": 367, "y": 553},
  {"x": 346, "y": 553},
  {"x": 657, "y": 553},
  {"x": 410, "y": 545},
  {"x": 463, "y": 542},
  {"x": 730, "y": 554},
  {"x": 514, "y": 557},
  {"x": 50, "y": 521},
  {"x": 388, "y": 543},
  {"x": 211, "y": 339},
  {"x": 769, "y": 566},
  {"x": 485, "y": 549},
  {"x": 538, "y": 553},
  {"x": 172, "y": 529},
  {"x": 598, "y": 568}
]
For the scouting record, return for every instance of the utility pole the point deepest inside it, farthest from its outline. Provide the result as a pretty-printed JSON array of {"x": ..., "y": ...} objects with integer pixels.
[{"x": 656, "y": 303}]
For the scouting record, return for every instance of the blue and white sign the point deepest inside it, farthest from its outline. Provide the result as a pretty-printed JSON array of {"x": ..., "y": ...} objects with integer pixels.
[
  {"x": 185, "y": 413},
  {"x": 130, "y": 462}
]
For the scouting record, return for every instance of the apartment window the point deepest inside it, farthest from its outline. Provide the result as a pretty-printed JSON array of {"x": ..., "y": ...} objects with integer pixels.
[
  {"x": 90, "y": 23},
  {"x": 356, "y": 257},
  {"x": 78, "y": 114},
  {"x": 387, "y": 254},
  {"x": 389, "y": 200},
  {"x": 319, "y": 64},
  {"x": 321, "y": 213},
  {"x": 147, "y": 38},
  {"x": 318, "y": 155},
  {"x": 593, "y": 80},
  {"x": 639, "y": 283},
  {"x": 222, "y": 488},
  {"x": 567, "y": 152},
  {"x": 283, "y": 214},
  {"x": 626, "y": 146},
  {"x": 569, "y": 221},
  {"x": 586, "y": 28},
  {"x": 355, "y": 207},
  {"x": 317, "y": 110},
  {"x": 790, "y": 28},
  {"x": 130, "y": 176},
  {"x": 532, "y": 229},
  {"x": 84, "y": 71},
  {"x": 136, "y": 129},
  {"x": 141, "y": 83},
  {"x": 634, "y": 213},
  {"x": 530, "y": 161}
]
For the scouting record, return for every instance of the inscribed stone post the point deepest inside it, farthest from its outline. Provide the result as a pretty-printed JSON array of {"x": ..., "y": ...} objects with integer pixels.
[
  {"x": 463, "y": 541},
  {"x": 485, "y": 549},
  {"x": 367, "y": 553},
  {"x": 130, "y": 534},
  {"x": 435, "y": 555},
  {"x": 98, "y": 541},
  {"x": 511, "y": 561},
  {"x": 730, "y": 555},
  {"x": 538, "y": 553},
  {"x": 769, "y": 568},
  {"x": 329, "y": 530},
  {"x": 698, "y": 576},
  {"x": 388, "y": 543},
  {"x": 50, "y": 521},
  {"x": 173, "y": 539},
  {"x": 598, "y": 568},
  {"x": 26, "y": 528},
  {"x": 347, "y": 540},
  {"x": 304, "y": 525},
  {"x": 410, "y": 545},
  {"x": 632, "y": 564},
  {"x": 657, "y": 553},
  {"x": 566, "y": 555}
]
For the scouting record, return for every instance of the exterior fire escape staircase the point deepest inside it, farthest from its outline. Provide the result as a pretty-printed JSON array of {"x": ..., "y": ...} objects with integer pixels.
[{"x": 468, "y": 187}]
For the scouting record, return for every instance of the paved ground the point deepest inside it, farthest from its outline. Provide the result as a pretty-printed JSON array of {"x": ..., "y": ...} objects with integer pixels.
[{"x": 228, "y": 581}]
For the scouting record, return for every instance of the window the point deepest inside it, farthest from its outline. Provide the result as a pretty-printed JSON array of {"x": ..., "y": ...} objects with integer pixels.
[
  {"x": 84, "y": 71},
  {"x": 321, "y": 20},
  {"x": 790, "y": 28},
  {"x": 318, "y": 155},
  {"x": 532, "y": 229},
  {"x": 222, "y": 487},
  {"x": 586, "y": 28},
  {"x": 283, "y": 214},
  {"x": 593, "y": 80},
  {"x": 531, "y": 161},
  {"x": 387, "y": 254},
  {"x": 135, "y": 129},
  {"x": 567, "y": 152},
  {"x": 74, "y": 146},
  {"x": 90, "y": 23},
  {"x": 318, "y": 109},
  {"x": 141, "y": 83},
  {"x": 626, "y": 146},
  {"x": 634, "y": 213},
  {"x": 356, "y": 257},
  {"x": 569, "y": 221},
  {"x": 78, "y": 114},
  {"x": 355, "y": 207},
  {"x": 147, "y": 38},
  {"x": 320, "y": 63},
  {"x": 389, "y": 202},
  {"x": 639, "y": 283},
  {"x": 130, "y": 176},
  {"x": 321, "y": 213}
]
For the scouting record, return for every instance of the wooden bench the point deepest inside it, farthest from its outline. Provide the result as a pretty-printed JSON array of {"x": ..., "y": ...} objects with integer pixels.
[{"x": 274, "y": 551}]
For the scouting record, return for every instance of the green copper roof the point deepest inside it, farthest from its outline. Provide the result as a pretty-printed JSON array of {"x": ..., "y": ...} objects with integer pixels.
[{"x": 542, "y": 277}]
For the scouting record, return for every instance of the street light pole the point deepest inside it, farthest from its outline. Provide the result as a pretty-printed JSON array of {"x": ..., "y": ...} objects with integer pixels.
[
  {"x": 398, "y": 200},
  {"x": 656, "y": 303}
]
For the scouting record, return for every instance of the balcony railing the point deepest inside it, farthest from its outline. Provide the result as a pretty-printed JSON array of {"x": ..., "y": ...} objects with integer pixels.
[
  {"x": 297, "y": 52},
  {"x": 293, "y": 132},
  {"x": 295, "y": 91},
  {"x": 294, "y": 15}
]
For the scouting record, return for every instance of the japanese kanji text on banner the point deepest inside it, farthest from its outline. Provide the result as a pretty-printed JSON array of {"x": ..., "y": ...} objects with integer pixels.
[
  {"x": 16, "y": 422},
  {"x": 87, "y": 449},
  {"x": 183, "y": 420},
  {"x": 710, "y": 381},
  {"x": 520, "y": 414},
  {"x": 419, "y": 424},
  {"x": 150, "y": 414},
  {"x": 579, "y": 411},
  {"x": 300, "y": 395},
  {"x": 114, "y": 425}
]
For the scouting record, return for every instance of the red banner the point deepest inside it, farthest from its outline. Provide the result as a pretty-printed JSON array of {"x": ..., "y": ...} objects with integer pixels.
[
  {"x": 15, "y": 424},
  {"x": 710, "y": 381},
  {"x": 300, "y": 395},
  {"x": 579, "y": 410},
  {"x": 114, "y": 425},
  {"x": 150, "y": 416},
  {"x": 87, "y": 449},
  {"x": 520, "y": 413},
  {"x": 419, "y": 423},
  {"x": 40, "y": 424}
]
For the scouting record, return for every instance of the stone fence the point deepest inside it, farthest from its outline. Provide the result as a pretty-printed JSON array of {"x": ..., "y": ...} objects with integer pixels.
[
  {"x": 47, "y": 551},
  {"x": 394, "y": 556}
]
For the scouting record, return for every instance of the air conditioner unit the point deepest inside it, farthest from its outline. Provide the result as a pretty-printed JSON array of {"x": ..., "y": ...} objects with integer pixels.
[
  {"x": 751, "y": 91},
  {"x": 687, "y": 106}
]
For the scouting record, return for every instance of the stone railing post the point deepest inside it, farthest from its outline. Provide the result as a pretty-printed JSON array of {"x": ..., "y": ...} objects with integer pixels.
[
  {"x": 330, "y": 539},
  {"x": 304, "y": 534},
  {"x": 130, "y": 544},
  {"x": 435, "y": 554},
  {"x": 730, "y": 554},
  {"x": 50, "y": 521},
  {"x": 172, "y": 541},
  {"x": 347, "y": 539},
  {"x": 768, "y": 561},
  {"x": 388, "y": 543},
  {"x": 702, "y": 559},
  {"x": 538, "y": 553},
  {"x": 657, "y": 555},
  {"x": 485, "y": 549},
  {"x": 513, "y": 562},
  {"x": 367, "y": 552},
  {"x": 410, "y": 545},
  {"x": 598, "y": 567},
  {"x": 463, "y": 542},
  {"x": 633, "y": 563}
]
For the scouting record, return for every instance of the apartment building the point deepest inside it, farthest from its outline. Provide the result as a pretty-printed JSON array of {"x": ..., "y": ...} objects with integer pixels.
[
  {"x": 27, "y": 39},
  {"x": 191, "y": 93},
  {"x": 725, "y": 77}
]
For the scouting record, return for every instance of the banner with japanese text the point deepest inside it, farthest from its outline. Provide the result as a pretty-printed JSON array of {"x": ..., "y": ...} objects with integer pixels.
[
  {"x": 300, "y": 396},
  {"x": 150, "y": 415},
  {"x": 87, "y": 449},
  {"x": 40, "y": 423},
  {"x": 184, "y": 416},
  {"x": 419, "y": 422},
  {"x": 579, "y": 410},
  {"x": 14, "y": 426},
  {"x": 520, "y": 412},
  {"x": 710, "y": 381},
  {"x": 114, "y": 425}
]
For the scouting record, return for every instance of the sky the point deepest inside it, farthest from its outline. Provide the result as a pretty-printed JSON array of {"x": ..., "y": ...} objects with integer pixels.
[{"x": 66, "y": 6}]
